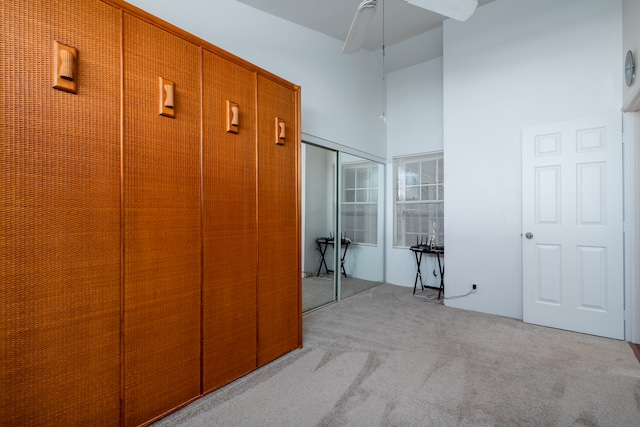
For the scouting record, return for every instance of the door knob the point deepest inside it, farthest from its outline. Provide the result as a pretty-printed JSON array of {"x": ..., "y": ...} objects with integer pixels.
[{"x": 529, "y": 235}]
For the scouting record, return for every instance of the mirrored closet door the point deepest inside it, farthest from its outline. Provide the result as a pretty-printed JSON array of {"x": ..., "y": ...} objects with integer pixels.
[
  {"x": 319, "y": 226},
  {"x": 345, "y": 257},
  {"x": 361, "y": 207}
]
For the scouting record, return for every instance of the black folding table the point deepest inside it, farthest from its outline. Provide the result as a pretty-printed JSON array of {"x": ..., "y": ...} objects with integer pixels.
[
  {"x": 323, "y": 243},
  {"x": 418, "y": 251}
]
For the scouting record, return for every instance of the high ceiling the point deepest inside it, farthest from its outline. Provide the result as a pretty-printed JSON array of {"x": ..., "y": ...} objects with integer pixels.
[{"x": 402, "y": 21}]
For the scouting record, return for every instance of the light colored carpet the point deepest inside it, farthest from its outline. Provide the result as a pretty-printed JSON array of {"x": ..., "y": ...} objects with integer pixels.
[{"x": 386, "y": 358}]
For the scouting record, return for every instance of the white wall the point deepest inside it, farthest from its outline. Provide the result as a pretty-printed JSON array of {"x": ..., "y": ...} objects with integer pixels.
[
  {"x": 515, "y": 63},
  {"x": 414, "y": 126},
  {"x": 341, "y": 94}
]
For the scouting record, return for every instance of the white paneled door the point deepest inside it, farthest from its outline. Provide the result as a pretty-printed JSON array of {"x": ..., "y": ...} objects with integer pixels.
[{"x": 572, "y": 238}]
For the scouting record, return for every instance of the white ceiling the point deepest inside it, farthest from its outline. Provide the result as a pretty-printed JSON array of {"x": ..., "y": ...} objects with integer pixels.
[{"x": 402, "y": 21}]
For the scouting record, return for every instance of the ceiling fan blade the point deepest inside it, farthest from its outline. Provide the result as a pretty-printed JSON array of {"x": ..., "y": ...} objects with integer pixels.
[
  {"x": 360, "y": 26},
  {"x": 460, "y": 10}
]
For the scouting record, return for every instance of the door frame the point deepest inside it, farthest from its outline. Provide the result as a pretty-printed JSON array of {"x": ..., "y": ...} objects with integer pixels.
[{"x": 631, "y": 166}]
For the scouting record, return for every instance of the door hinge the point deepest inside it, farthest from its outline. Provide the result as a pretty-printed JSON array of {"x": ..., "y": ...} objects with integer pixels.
[
  {"x": 625, "y": 227},
  {"x": 625, "y": 313}
]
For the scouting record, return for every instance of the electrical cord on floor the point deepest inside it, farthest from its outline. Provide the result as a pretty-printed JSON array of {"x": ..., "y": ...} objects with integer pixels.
[
  {"x": 431, "y": 297},
  {"x": 472, "y": 291},
  {"x": 435, "y": 296}
]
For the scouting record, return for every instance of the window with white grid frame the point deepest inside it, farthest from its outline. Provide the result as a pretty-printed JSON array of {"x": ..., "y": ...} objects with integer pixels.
[
  {"x": 419, "y": 199},
  {"x": 360, "y": 202}
]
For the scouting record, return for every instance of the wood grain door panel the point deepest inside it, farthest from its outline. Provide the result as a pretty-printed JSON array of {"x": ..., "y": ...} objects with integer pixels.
[
  {"x": 278, "y": 243},
  {"x": 229, "y": 223},
  {"x": 162, "y": 268},
  {"x": 59, "y": 217}
]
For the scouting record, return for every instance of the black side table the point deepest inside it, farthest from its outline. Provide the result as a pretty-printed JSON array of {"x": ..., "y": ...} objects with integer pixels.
[
  {"x": 418, "y": 251},
  {"x": 322, "y": 243}
]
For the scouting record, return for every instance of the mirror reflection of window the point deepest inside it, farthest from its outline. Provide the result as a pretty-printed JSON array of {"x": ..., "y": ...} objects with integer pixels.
[
  {"x": 360, "y": 202},
  {"x": 361, "y": 221}
]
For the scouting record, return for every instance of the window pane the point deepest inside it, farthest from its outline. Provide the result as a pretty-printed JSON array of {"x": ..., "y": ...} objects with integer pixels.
[
  {"x": 412, "y": 173},
  {"x": 413, "y": 226},
  {"x": 361, "y": 195},
  {"x": 428, "y": 192},
  {"x": 440, "y": 192},
  {"x": 424, "y": 229},
  {"x": 374, "y": 176},
  {"x": 373, "y": 219},
  {"x": 349, "y": 196},
  {"x": 440, "y": 170},
  {"x": 428, "y": 175},
  {"x": 358, "y": 222},
  {"x": 348, "y": 220},
  {"x": 399, "y": 228},
  {"x": 373, "y": 196},
  {"x": 362, "y": 178},
  {"x": 349, "y": 177},
  {"x": 413, "y": 194}
]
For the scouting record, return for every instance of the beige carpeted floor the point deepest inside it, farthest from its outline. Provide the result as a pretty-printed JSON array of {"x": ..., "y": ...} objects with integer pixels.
[{"x": 387, "y": 358}]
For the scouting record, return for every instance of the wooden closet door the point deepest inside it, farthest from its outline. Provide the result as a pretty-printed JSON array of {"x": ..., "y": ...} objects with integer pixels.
[
  {"x": 229, "y": 223},
  {"x": 279, "y": 271},
  {"x": 162, "y": 224},
  {"x": 59, "y": 217}
]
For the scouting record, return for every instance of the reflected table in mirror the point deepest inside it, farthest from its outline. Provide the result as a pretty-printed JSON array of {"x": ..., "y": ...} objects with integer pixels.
[{"x": 323, "y": 243}]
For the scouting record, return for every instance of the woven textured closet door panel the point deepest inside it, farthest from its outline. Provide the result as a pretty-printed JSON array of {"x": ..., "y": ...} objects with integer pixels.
[
  {"x": 229, "y": 223},
  {"x": 59, "y": 217},
  {"x": 162, "y": 224},
  {"x": 279, "y": 272}
]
